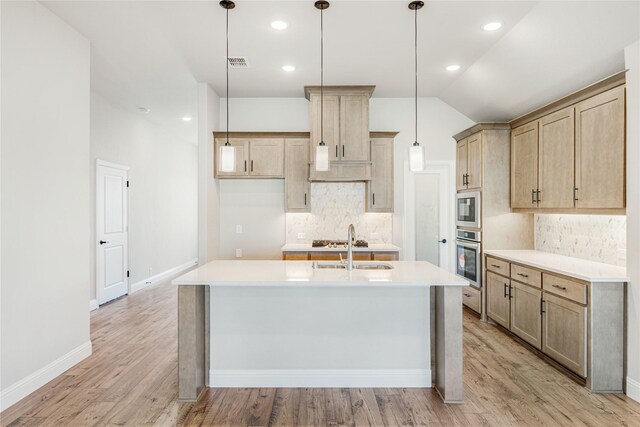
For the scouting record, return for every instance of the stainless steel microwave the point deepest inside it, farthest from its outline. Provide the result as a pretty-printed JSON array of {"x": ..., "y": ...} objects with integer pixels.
[{"x": 468, "y": 211}]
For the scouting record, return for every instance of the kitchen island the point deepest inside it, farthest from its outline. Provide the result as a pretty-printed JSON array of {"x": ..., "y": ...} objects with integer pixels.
[{"x": 300, "y": 324}]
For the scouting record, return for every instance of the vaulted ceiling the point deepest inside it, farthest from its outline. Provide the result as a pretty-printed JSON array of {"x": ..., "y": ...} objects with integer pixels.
[{"x": 151, "y": 53}]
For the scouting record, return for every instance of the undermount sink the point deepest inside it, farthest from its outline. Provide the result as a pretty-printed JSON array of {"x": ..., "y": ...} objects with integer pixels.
[{"x": 358, "y": 266}]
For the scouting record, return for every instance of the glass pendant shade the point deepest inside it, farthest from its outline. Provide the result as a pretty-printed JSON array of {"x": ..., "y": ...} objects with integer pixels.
[
  {"x": 227, "y": 158},
  {"x": 416, "y": 158},
  {"x": 322, "y": 158}
]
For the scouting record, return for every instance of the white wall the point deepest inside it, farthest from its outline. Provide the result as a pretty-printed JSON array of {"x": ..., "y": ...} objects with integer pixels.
[
  {"x": 208, "y": 198},
  {"x": 632, "y": 62},
  {"x": 45, "y": 198},
  {"x": 163, "y": 194},
  {"x": 438, "y": 122}
]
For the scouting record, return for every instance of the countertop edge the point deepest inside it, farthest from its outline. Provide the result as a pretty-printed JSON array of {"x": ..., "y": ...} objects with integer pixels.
[{"x": 498, "y": 253}]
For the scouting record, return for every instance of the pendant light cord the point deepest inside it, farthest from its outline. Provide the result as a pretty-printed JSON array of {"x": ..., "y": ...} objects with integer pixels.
[
  {"x": 227, "y": 143},
  {"x": 415, "y": 35},
  {"x": 321, "y": 78}
]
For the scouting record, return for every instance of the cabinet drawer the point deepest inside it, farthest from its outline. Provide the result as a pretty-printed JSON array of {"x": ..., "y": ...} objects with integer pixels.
[
  {"x": 565, "y": 288},
  {"x": 385, "y": 256},
  {"x": 471, "y": 298},
  {"x": 498, "y": 266},
  {"x": 526, "y": 275},
  {"x": 335, "y": 256},
  {"x": 295, "y": 256}
]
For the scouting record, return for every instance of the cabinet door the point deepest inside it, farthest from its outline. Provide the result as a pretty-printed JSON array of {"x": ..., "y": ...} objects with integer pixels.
[
  {"x": 462, "y": 163},
  {"x": 526, "y": 320},
  {"x": 498, "y": 306},
  {"x": 524, "y": 165},
  {"x": 242, "y": 158},
  {"x": 331, "y": 124},
  {"x": 556, "y": 160},
  {"x": 474, "y": 168},
  {"x": 564, "y": 333},
  {"x": 600, "y": 150},
  {"x": 266, "y": 158},
  {"x": 354, "y": 127},
  {"x": 297, "y": 188},
  {"x": 380, "y": 188}
]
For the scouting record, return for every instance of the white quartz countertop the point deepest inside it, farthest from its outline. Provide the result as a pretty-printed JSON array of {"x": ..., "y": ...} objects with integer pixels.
[
  {"x": 586, "y": 270},
  {"x": 302, "y": 274},
  {"x": 306, "y": 247}
]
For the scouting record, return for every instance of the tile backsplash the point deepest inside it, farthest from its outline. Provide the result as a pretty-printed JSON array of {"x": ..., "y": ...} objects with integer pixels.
[
  {"x": 601, "y": 238},
  {"x": 333, "y": 207}
]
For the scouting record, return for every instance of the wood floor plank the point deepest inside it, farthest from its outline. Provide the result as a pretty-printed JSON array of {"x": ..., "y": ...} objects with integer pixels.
[{"x": 131, "y": 379}]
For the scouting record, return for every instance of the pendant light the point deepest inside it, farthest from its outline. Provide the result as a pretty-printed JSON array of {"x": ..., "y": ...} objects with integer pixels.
[
  {"x": 227, "y": 151},
  {"x": 416, "y": 152},
  {"x": 322, "y": 151}
]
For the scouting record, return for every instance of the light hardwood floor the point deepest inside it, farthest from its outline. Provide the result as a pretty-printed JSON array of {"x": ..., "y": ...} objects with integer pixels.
[{"x": 131, "y": 379}]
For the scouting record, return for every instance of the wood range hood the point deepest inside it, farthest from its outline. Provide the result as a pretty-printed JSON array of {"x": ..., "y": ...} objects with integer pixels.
[{"x": 346, "y": 132}]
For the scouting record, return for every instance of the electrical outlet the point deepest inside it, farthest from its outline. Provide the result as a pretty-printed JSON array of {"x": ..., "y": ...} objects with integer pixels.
[
  {"x": 238, "y": 228},
  {"x": 302, "y": 236},
  {"x": 622, "y": 254},
  {"x": 238, "y": 253},
  {"x": 556, "y": 243}
]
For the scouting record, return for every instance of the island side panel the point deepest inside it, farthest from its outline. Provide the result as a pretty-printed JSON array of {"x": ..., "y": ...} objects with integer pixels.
[
  {"x": 191, "y": 341},
  {"x": 448, "y": 342}
]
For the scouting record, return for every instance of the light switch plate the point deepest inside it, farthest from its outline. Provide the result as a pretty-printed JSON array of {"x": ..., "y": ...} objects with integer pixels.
[
  {"x": 238, "y": 253},
  {"x": 238, "y": 228},
  {"x": 302, "y": 236}
]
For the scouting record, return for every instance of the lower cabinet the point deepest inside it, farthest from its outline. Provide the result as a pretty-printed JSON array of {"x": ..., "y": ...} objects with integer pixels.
[
  {"x": 498, "y": 303},
  {"x": 564, "y": 326},
  {"x": 335, "y": 256},
  {"x": 471, "y": 297},
  {"x": 525, "y": 313}
]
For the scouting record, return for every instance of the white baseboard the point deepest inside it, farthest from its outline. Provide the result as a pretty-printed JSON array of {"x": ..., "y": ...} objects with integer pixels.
[
  {"x": 268, "y": 378},
  {"x": 633, "y": 389},
  {"x": 31, "y": 383},
  {"x": 135, "y": 287},
  {"x": 93, "y": 304}
]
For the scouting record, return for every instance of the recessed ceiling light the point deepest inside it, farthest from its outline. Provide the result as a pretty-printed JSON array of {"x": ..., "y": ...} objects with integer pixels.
[
  {"x": 186, "y": 118},
  {"x": 143, "y": 110},
  {"x": 288, "y": 68},
  {"x": 492, "y": 26},
  {"x": 453, "y": 67},
  {"x": 279, "y": 25}
]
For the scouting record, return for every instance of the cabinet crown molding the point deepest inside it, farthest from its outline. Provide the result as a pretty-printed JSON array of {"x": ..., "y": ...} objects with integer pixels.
[
  {"x": 480, "y": 127},
  {"x": 340, "y": 90}
]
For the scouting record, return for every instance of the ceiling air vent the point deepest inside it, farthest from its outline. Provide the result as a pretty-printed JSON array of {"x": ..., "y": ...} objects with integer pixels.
[{"x": 238, "y": 62}]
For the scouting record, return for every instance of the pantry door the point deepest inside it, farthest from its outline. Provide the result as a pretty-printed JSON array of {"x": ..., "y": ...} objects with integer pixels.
[{"x": 112, "y": 256}]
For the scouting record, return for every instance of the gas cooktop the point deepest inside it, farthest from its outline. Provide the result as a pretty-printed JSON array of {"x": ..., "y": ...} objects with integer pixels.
[{"x": 338, "y": 244}]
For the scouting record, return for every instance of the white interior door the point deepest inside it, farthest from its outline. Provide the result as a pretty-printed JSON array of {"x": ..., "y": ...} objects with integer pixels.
[
  {"x": 429, "y": 197},
  {"x": 112, "y": 253}
]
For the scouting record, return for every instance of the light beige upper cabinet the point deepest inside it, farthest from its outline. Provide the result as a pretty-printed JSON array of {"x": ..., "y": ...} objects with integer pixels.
[
  {"x": 346, "y": 121},
  {"x": 354, "y": 127},
  {"x": 469, "y": 162},
  {"x": 241, "y": 155},
  {"x": 556, "y": 160},
  {"x": 296, "y": 179},
  {"x": 524, "y": 166},
  {"x": 600, "y": 150},
  {"x": 266, "y": 158},
  {"x": 525, "y": 313},
  {"x": 462, "y": 164},
  {"x": 380, "y": 188},
  {"x": 331, "y": 119}
]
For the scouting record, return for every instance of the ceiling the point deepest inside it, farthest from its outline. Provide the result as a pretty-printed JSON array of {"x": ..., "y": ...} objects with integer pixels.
[{"x": 148, "y": 53}]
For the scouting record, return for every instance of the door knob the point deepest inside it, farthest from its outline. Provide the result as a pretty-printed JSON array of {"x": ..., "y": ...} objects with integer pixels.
[
  {"x": 443, "y": 241},
  {"x": 102, "y": 242}
]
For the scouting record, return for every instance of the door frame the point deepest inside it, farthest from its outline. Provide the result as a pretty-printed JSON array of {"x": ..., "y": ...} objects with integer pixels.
[
  {"x": 96, "y": 231},
  {"x": 447, "y": 204}
]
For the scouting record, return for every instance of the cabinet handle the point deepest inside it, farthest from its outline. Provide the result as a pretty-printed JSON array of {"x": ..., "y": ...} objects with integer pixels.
[
  {"x": 373, "y": 196},
  {"x": 467, "y": 295},
  {"x": 251, "y": 165},
  {"x": 510, "y": 293},
  {"x": 541, "y": 306},
  {"x": 575, "y": 194},
  {"x": 343, "y": 151},
  {"x": 495, "y": 265},
  {"x": 336, "y": 151},
  {"x": 538, "y": 199},
  {"x": 523, "y": 275},
  {"x": 533, "y": 193},
  {"x": 305, "y": 199},
  {"x": 563, "y": 288},
  {"x": 245, "y": 165},
  {"x": 506, "y": 294}
]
